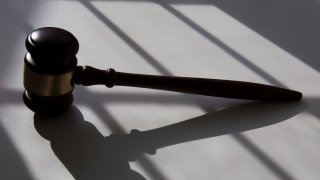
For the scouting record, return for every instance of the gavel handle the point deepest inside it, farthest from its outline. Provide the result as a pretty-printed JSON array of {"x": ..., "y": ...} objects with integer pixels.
[{"x": 210, "y": 87}]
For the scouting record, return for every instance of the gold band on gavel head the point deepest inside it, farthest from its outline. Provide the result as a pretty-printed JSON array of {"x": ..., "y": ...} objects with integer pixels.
[{"x": 47, "y": 85}]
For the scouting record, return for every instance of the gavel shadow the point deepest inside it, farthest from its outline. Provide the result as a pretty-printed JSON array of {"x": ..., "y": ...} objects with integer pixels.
[{"x": 87, "y": 154}]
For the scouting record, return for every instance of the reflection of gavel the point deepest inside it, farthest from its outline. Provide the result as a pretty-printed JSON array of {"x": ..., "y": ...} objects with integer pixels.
[{"x": 51, "y": 70}]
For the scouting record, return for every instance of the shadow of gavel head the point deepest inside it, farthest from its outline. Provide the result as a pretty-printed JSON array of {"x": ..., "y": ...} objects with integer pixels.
[
  {"x": 48, "y": 70},
  {"x": 51, "y": 70}
]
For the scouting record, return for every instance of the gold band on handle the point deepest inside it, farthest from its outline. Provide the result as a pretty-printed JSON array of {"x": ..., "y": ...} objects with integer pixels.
[{"x": 47, "y": 85}]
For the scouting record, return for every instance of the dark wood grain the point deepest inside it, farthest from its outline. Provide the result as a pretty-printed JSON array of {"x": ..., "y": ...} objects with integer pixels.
[{"x": 210, "y": 87}]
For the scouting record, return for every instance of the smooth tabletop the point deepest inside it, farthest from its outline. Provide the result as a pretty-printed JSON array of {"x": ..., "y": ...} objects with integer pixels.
[{"x": 131, "y": 133}]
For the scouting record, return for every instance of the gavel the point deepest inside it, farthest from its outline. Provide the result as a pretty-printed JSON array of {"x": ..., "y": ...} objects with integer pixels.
[{"x": 50, "y": 72}]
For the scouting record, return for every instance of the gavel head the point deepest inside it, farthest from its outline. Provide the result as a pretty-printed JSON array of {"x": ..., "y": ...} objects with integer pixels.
[{"x": 48, "y": 70}]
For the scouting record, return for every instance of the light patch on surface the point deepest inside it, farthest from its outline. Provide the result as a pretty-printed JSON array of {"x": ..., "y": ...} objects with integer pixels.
[
  {"x": 34, "y": 149},
  {"x": 142, "y": 116},
  {"x": 171, "y": 42},
  {"x": 282, "y": 147},
  {"x": 99, "y": 45},
  {"x": 259, "y": 51},
  {"x": 222, "y": 154}
]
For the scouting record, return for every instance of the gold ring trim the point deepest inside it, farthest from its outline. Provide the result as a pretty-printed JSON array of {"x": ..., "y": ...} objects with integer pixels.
[{"x": 47, "y": 85}]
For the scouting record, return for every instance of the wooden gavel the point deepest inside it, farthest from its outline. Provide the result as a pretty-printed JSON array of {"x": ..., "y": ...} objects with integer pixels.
[{"x": 51, "y": 70}]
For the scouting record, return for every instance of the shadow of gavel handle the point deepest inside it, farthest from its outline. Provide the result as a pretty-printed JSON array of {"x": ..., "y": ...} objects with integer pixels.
[
  {"x": 86, "y": 75},
  {"x": 232, "y": 120}
]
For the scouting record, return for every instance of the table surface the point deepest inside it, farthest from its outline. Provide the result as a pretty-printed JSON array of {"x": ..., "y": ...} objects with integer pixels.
[{"x": 132, "y": 133}]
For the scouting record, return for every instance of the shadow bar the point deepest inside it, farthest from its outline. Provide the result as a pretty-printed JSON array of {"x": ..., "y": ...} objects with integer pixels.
[
  {"x": 291, "y": 24},
  {"x": 276, "y": 169},
  {"x": 222, "y": 45},
  {"x": 152, "y": 61},
  {"x": 95, "y": 103},
  {"x": 145, "y": 55},
  {"x": 264, "y": 159},
  {"x": 12, "y": 165}
]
